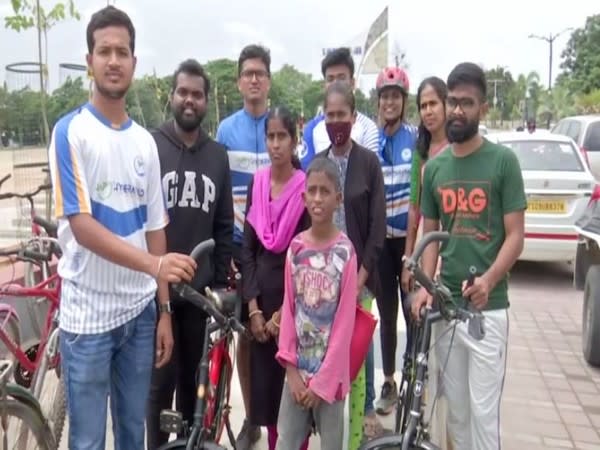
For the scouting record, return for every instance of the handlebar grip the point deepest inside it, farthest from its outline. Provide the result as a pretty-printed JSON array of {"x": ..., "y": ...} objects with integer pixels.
[
  {"x": 50, "y": 227},
  {"x": 6, "y": 195},
  {"x": 202, "y": 248}
]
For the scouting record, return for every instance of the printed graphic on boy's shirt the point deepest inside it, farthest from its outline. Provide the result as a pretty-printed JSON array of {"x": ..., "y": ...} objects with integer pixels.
[
  {"x": 317, "y": 278},
  {"x": 465, "y": 206}
]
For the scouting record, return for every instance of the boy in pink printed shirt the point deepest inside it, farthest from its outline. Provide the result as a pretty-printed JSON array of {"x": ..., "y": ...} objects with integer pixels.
[{"x": 317, "y": 319}]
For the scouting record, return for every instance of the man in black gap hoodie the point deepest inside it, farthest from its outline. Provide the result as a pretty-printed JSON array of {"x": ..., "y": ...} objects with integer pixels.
[{"x": 197, "y": 188}]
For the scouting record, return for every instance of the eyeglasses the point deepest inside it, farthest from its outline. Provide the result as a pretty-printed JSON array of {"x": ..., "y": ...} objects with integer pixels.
[
  {"x": 465, "y": 103},
  {"x": 250, "y": 74},
  {"x": 338, "y": 77}
]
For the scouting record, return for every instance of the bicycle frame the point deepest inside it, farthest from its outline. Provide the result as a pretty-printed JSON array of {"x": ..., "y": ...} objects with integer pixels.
[{"x": 49, "y": 334}]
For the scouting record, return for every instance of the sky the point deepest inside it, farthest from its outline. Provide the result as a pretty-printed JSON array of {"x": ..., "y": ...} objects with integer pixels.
[{"x": 435, "y": 35}]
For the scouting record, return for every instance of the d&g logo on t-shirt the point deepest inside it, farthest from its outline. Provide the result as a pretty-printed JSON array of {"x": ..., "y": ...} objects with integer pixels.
[{"x": 466, "y": 204}]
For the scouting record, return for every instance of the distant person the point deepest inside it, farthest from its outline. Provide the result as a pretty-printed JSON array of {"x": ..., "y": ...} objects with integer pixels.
[
  {"x": 111, "y": 226},
  {"x": 531, "y": 125},
  {"x": 337, "y": 65},
  {"x": 243, "y": 134}
]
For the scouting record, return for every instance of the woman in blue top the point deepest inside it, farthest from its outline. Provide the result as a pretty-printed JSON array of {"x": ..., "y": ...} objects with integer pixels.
[{"x": 397, "y": 144}]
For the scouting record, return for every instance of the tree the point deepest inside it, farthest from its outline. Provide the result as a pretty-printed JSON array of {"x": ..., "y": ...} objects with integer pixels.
[
  {"x": 589, "y": 103},
  {"x": 581, "y": 58},
  {"x": 29, "y": 14},
  {"x": 288, "y": 86},
  {"x": 147, "y": 100},
  {"x": 225, "y": 97},
  {"x": 501, "y": 92},
  {"x": 66, "y": 98}
]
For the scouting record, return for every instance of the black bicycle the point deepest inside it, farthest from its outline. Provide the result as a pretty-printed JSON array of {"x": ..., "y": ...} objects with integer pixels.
[
  {"x": 215, "y": 370},
  {"x": 411, "y": 428}
]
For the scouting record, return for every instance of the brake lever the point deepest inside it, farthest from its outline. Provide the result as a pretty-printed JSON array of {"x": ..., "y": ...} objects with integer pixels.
[{"x": 476, "y": 321}]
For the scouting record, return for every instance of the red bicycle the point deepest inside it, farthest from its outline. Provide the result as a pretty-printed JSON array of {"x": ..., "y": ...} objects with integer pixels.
[
  {"x": 35, "y": 359},
  {"x": 211, "y": 415}
]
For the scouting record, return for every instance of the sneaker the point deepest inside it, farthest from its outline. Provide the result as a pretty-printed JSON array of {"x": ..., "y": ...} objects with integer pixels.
[
  {"x": 249, "y": 435},
  {"x": 388, "y": 399}
]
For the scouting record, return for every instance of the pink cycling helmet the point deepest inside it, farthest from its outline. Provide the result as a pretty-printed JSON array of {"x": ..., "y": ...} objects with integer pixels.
[{"x": 392, "y": 76}]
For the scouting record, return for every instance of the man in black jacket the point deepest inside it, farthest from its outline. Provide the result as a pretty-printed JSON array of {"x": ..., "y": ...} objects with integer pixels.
[{"x": 197, "y": 187}]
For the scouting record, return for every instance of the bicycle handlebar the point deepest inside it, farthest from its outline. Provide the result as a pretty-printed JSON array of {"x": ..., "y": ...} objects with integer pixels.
[
  {"x": 210, "y": 303},
  {"x": 50, "y": 227},
  {"x": 440, "y": 292}
]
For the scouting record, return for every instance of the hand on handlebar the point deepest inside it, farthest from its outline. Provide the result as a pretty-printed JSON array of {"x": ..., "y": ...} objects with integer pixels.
[
  {"x": 175, "y": 268},
  {"x": 478, "y": 293},
  {"x": 420, "y": 298}
]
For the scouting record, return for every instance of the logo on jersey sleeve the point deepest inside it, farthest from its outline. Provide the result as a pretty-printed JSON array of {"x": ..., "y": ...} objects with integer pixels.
[{"x": 465, "y": 206}]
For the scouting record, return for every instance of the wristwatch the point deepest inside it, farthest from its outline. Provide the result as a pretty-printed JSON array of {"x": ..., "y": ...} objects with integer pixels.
[{"x": 165, "y": 308}]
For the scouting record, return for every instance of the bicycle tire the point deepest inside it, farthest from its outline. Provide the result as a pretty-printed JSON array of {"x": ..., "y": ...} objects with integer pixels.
[
  {"x": 33, "y": 419},
  {"x": 13, "y": 331},
  {"x": 58, "y": 414}
]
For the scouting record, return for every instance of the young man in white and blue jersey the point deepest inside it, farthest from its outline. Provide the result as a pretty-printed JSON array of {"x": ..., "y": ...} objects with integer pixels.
[
  {"x": 397, "y": 143},
  {"x": 337, "y": 65},
  {"x": 111, "y": 218},
  {"x": 243, "y": 133}
]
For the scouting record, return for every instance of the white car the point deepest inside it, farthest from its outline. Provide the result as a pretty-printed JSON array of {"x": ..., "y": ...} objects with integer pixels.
[
  {"x": 585, "y": 131},
  {"x": 558, "y": 185}
]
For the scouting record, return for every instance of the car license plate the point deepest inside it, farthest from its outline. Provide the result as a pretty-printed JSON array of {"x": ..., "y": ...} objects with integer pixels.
[{"x": 547, "y": 207}]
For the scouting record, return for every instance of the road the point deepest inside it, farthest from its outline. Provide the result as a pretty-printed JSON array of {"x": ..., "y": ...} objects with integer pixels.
[{"x": 551, "y": 397}]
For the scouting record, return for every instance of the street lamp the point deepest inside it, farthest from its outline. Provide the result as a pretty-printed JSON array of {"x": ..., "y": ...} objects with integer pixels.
[{"x": 550, "y": 40}]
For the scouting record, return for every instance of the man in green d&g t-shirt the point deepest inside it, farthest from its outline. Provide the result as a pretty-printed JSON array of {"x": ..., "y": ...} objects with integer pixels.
[{"x": 474, "y": 190}]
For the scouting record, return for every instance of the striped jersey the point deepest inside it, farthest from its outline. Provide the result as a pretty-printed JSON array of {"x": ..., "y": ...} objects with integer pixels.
[
  {"x": 316, "y": 139},
  {"x": 112, "y": 173},
  {"x": 244, "y": 137},
  {"x": 395, "y": 155}
]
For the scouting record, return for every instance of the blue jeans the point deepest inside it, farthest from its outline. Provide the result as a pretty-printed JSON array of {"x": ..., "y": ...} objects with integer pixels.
[
  {"x": 118, "y": 364},
  {"x": 370, "y": 380}
]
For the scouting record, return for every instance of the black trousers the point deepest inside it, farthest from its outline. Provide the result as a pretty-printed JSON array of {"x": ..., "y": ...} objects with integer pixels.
[
  {"x": 388, "y": 303},
  {"x": 179, "y": 374}
]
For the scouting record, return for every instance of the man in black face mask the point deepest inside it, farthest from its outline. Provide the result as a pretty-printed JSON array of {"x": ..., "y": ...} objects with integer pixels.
[{"x": 197, "y": 187}]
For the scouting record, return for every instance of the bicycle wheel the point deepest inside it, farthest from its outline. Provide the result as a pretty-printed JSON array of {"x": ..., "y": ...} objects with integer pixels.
[
  {"x": 11, "y": 328},
  {"x": 53, "y": 403},
  {"x": 26, "y": 428}
]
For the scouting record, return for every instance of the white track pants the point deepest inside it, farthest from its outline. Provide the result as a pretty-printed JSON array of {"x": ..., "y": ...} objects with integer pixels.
[{"x": 473, "y": 380}]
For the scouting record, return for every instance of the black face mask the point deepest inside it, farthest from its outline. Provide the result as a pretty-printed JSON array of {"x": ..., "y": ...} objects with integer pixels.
[{"x": 461, "y": 130}]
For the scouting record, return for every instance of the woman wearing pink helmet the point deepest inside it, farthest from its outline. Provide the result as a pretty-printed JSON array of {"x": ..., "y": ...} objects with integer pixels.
[{"x": 397, "y": 144}]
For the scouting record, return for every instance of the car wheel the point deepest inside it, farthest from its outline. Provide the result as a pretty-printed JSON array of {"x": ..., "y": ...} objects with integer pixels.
[{"x": 591, "y": 317}]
